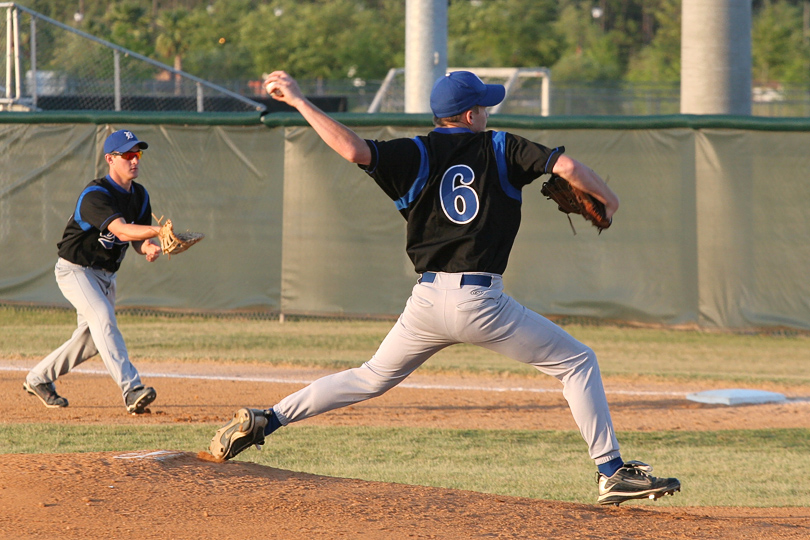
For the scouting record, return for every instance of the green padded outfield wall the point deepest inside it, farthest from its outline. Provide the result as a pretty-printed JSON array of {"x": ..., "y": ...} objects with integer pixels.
[{"x": 713, "y": 227}]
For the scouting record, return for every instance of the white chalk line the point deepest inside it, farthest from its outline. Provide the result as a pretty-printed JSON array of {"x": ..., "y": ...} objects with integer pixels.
[{"x": 282, "y": 380}]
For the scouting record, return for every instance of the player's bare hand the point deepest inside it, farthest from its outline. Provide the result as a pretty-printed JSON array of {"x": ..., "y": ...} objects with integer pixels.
[
  {"x": 282, "y": 87},
  {"x": 151, "y": 251}
]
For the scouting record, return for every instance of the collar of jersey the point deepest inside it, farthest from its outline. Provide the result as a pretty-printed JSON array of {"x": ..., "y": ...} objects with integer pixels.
[
  {"x": 116, "y": 186},
  {"x": 452, "y": 130}
]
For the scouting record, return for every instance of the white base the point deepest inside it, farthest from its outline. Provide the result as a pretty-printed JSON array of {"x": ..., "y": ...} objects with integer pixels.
[{"x": 736, "y": 396}]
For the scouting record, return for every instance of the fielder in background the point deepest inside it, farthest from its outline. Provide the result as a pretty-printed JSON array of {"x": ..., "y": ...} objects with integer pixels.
[
  {"x": 110, "y": 213},
  {"x": 459, "y": 189}
]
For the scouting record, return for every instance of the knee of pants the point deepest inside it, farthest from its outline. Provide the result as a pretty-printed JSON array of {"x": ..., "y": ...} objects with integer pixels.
[
  {"x": 585, "y": 358},
  {"x": 375, "y": 384},
  {"x": 580, "y": 363}
]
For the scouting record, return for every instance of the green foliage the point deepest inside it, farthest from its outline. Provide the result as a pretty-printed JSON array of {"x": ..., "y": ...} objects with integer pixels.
[
  {"x": 628, "y": 40},
  {"x": 512, "y": 33},
  {"x": 660, "y": 60},
  {"x": 75, "y": 56},
  {"x": 330, "y": 39},
  {"x": 130, "y": 27},
  {"x": 781, "y": 51},
  {"x": 215, "y": 48},
  {"x": 590, "y": 53},
  {"x": 174, "y": 34}
]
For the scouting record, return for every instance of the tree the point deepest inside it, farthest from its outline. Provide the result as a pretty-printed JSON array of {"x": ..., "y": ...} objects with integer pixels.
[
  {"x": 580, "y": 40},
  {"x": 780, "y": 51},
  {"x": 660, "y": 61},
  {"x": 129, "y": 26},
  {"x": 216, "y": 48},
  {"x": 590, "y": 53},
  {"x": 510, "y": 33},
  {"x": 325, "y": 38},
  {"x": 173, "y": 40}
]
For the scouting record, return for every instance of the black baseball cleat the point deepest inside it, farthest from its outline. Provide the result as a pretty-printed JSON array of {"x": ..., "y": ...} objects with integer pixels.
[
  {"x": 46, "y": 393},
  {"x": 634, "y": 481},
  {"x": 138, "y": 399},
  {"x": 246, "y": 428}
]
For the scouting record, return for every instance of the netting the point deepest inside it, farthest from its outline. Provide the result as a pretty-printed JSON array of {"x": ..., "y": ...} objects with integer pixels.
[{"x": 51, "y": 66}]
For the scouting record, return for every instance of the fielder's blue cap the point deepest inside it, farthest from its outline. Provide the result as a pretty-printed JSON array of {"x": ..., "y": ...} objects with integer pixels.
[
  {"x": 460, "y": 91},
  {"x": 123, "y": 140}
]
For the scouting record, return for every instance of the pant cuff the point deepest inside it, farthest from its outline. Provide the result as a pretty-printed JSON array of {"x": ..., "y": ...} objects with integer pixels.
[{"x": 607, "y": 457}]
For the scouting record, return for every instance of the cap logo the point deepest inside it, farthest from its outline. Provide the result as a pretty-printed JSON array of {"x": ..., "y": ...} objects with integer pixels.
[{"x": 129, "y": 135}]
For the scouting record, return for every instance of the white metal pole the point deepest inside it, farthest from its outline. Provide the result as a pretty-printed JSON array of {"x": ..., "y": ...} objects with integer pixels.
[
  {"x": 117, "y": 78},
  {"x": 17, "y": 86},
  {"x": 8, "y": 53},
  {"x": 34, "y": 81},
  {"x": 545, "y": 93}
]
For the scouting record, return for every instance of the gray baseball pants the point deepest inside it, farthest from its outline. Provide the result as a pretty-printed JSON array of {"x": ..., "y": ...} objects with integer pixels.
[
  {"x": 92, "y": 293},
  {"x": 443, "y": 313}
]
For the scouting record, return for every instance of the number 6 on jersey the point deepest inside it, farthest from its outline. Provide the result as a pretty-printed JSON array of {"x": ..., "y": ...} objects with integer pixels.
[{"x": 459, "y": 201}]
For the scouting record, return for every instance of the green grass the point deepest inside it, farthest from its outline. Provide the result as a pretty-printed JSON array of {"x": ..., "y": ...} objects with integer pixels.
[
  {"x": 759, "y": 468},
  {"x": 622, "y": 351},
  {"x": 756, "y": 468}
]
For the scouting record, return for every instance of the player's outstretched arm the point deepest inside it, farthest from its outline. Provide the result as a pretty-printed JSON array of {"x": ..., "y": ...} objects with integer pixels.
[
  {"x": 131, "y": 232},
  {"x": 340, "y": 138},
  {"x": 584, "y": 178}
]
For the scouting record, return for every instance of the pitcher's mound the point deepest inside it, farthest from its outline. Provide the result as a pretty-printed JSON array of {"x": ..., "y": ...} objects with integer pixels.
[{"x": 170, "y": 494}]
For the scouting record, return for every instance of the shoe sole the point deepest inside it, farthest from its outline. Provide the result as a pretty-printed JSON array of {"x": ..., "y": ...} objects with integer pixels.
[
  {"x": 49, "y": 405},
  {"x": 240, "y": 426},
  {"x": 143, "y": 402},
  {"x": 654, "y": 494}
]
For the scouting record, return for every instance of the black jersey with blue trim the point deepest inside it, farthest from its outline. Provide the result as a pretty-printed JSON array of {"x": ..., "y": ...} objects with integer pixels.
[
  {"x": 86, "y": 240},
  {"x": 460, "y": 193}
]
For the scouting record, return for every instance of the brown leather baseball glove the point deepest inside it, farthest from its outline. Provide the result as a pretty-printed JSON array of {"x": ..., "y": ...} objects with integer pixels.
[
  {"x": 572, "y": 200},
  {"x": 173, "y": 243}
]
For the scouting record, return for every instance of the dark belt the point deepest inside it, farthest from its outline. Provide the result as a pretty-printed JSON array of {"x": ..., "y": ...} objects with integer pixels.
[{"x": 466, "y": 279}]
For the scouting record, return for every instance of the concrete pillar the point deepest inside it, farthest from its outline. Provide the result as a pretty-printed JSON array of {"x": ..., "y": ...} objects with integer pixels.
[
  {"x": 716, "y": 79},
  {"x": 425, "y": 51},
  {"x": 716, "y": 57}
]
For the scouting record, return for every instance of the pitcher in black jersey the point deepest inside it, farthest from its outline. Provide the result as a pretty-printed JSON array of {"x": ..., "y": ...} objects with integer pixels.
[
  {"x": 110, "y": 214},
  {"x": 459, "y": 188}
]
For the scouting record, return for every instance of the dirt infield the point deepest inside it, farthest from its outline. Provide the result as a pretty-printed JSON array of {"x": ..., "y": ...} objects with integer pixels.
[{"x": 161, "y": 493}]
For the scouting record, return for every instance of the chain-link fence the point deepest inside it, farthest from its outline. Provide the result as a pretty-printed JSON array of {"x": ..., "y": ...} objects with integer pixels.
[
  {"x": 51, "y": 66},
  {"x": 525, "y": 97}
]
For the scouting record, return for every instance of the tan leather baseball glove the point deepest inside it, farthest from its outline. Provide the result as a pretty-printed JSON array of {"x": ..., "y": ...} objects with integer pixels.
[{"x": 172, "y": 242}]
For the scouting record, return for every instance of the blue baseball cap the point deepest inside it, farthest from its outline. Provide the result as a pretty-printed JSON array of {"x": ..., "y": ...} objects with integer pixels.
[
  {"x": 460, "y": 91},
  {"x": 122, "y": 140}
]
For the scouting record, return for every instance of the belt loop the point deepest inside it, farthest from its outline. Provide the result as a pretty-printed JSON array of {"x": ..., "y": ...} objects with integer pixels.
[
  {"x": 477, "y": 280},
  {"x": 427, "y": 277}
]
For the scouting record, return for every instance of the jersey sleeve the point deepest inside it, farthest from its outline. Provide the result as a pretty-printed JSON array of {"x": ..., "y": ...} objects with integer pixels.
[
  {"x": 394, "y": 165},
  {"x": 95, "y": 208},
  {"x": 529, "y": 160}
]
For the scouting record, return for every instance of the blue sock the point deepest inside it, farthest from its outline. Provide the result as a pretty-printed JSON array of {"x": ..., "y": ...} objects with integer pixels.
[
  {"x": 610, "y": 468},
  {"x": 273, "y": 423}
]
